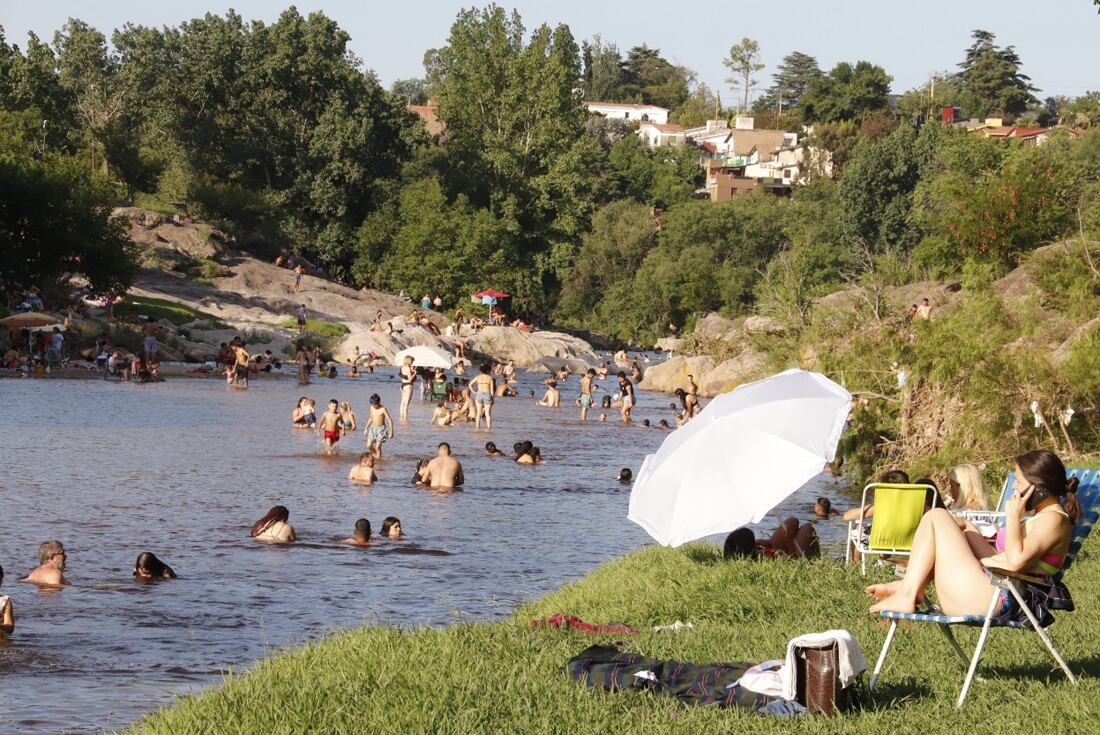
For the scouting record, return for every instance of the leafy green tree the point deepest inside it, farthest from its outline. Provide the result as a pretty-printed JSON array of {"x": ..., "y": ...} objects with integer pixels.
[
  {"x": 876, "y": 188},
  {"x": 603, "y": 71},
  {"x": 56, "y": 221},
  {"x": 846, "y": 93},
  {"x": 90, "y": 73},
  {"x": 650, "y": 78},
  {"x": 410, "y": 91},
  {"x": 743, "y": 62},
  {"x": 990, "y": 79},
  {"x": 790, "y": 81},
  {"x": 702, "y": 105}
]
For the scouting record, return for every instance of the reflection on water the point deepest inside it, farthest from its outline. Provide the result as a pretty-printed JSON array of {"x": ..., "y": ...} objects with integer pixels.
[{"x": 184, "y": 468}]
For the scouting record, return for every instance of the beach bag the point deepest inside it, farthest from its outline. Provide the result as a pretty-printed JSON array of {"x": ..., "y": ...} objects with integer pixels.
[{"x": 817, "y": 681}]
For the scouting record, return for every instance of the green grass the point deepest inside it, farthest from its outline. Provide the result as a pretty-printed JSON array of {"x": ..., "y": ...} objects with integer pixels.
[
  {"x": 332, "y": 330},
  {"x": 508, "y": 676},
  {"x": 158, "y": 309}
]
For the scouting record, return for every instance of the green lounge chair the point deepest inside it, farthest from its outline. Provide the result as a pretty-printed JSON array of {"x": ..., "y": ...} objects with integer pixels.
[
  {"x": 898, "y": 510},
  {"x": 1088, "y": 496}
]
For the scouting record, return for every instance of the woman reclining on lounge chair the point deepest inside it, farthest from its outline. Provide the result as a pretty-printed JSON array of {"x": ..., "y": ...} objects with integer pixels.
[{"x": 1038, "y": 528}]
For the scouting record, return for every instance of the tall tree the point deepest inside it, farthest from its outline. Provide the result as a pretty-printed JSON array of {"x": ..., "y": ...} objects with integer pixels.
[
  {"x": 650, "y": 78},
  {"x": 791, "y": 80},
  {"x": 846, "y": 93},
  {"x": 603, "y": 70},
  {"x": 90, "y": 73},
  {"x": 991, "y": 81},
  {"x": 743, "y": 62}
]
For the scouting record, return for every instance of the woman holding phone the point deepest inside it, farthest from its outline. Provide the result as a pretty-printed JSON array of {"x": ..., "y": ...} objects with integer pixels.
[{"x": 949, "y": 551}]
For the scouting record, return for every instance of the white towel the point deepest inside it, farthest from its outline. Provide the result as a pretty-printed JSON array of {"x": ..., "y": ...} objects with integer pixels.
[{"x": 850, "y": 661}]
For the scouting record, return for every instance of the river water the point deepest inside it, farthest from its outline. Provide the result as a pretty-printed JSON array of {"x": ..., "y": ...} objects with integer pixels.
[{"x": 183, "y": 468}]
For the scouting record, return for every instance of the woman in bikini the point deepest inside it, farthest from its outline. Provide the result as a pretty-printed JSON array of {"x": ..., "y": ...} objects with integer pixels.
[
  {"x": 347, "y": 418},
  {"x": 408, "y": 377},
  {"x": 949, "y": 551},
  {"x": 483, "y": 387}
]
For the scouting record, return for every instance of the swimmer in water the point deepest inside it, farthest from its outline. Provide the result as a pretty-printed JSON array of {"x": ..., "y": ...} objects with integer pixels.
[
  {"x": 391, "y": 527},
  {"x": 625, "y": 475},
  {"x": 274, "y": 526},
  {"x": 51, "y": 565},
  {"x": 379, "y": 426},
  {"x": 148, "y": 567},
  {"x": 441, "y": 416},
  {"x": 303, "y": 416},
  {"x": 7, "y": 612},
  {"x": 353, "y": 372},
  {"x": 526, "y": 453},
  {"x": 348, "y": 422},
  {"x": 361, "y": 536},
  {"x": 823, "y": 508},
  {"x": 444, "y": 471},
  {"x": 585, "y": 400},
  {"x": 645, "y": 423},
  {"x": 552, "y": 398},
  {"x": 627, "y": 390},
  {"x": 330, "y": 425},
  {"x": 603, "y": 417},
  {"x": 363, "y": 473},
  {"x": 492, "y": 451}
]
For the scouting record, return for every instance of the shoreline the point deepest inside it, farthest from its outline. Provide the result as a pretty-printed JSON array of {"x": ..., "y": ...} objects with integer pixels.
[{"x": 451, "y": 679}]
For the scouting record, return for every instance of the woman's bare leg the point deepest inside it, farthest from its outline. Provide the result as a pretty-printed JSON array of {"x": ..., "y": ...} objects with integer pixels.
[{"x": 961, "y": 582}]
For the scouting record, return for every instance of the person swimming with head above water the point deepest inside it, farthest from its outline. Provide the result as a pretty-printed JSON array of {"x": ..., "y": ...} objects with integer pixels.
[
  {"x": 361, "y": 535},
  {"x": 303, "y": 415},
  {"x": 363, "y": 472},
  {"x": 51, "y": 566},
  {"x": 391, "y": 527},
  {"x": 522, "y": 451},
  {"x": 823, "y": 508},
  {"x": 552, "y": 397},
  {"x": 148, "y": 567},
  {"x": 625, "y": 475},
  {"x": 274, "y": 526},
  {"x": 531, "y": 455},
  {"x": 443, "y": 471},
  {"x": 492, "y": 451}
]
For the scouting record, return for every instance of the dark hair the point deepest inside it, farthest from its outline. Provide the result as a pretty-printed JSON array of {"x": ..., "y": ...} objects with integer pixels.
[
  {"x": 679, "y": 393},
  {"x": 1043, "y": 469},
  {"x": 825, "y": 503},
  {"x": 277, "y": 514},
  {"x": 625, "y": 474},
  {"x": 374, "y": 399},
  {"x": 444, "y": 444},
  {"x": 389, "y": 523},
  {"x": 362, "y": 527},
  {"x": 522, "y": 448},
  {"x": 1, "y": 574},
  {"x": 332, "y": 401},
  {"x": 148, "y": 562},
  {"x": 740, "y": 543},
  {"x": 491, "y": 447},
  {"x": 486, "y": 367},
  {"x": 607, "y": 401},
  {"x": 931, "y": 494},
  {"x": 894, "y": 477},
  {"x": 536, "y": 453},
  {"x": 622, "y": 375}
]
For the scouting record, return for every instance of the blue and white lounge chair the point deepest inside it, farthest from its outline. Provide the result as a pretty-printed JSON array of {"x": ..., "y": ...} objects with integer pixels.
[{"x": 1088, "y": 496}]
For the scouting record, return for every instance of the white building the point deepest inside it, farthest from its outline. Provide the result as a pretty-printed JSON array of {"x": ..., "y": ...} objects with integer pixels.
[
  {"x": 656, "y": 135},
  {"x": 629, "y": 112}
]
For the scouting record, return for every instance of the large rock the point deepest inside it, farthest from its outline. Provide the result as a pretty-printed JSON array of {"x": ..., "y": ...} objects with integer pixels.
[
  {"x": 764, "y": 325},
  {"x": 669, "y": 344},
  {"x": 715, "y": 326},
  {"x": 526, "y": 348},
  {"x": 747, "y": 366},
  {"x": 671, "y": 374},
  {"x": 1061, "y": 354}
]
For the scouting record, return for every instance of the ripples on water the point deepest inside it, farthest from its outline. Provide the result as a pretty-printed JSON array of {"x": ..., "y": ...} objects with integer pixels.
[{"x": 183, "y": 469}]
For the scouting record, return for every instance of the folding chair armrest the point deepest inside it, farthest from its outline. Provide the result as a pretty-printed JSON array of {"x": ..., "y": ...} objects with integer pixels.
[{"x": 1004, "y": 575}]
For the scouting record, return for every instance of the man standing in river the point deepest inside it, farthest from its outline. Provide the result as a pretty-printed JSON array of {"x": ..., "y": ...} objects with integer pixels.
[
  {"x": 444, "y": 471},
  {"x": 241, "y": 368},
  {"x": 586, "y": 393},
  {"x": 626, "y": 390}
]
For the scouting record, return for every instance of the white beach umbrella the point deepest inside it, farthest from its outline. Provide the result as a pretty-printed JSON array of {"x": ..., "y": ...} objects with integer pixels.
[
  {"x": 745, "y": 453},
  {"x": 425, "y": 356}
]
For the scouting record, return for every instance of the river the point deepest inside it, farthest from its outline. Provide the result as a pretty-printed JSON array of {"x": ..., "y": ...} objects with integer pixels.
[{"x": 183, "y": 468}]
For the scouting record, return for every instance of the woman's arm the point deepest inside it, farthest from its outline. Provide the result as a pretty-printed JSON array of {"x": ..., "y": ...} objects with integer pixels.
[{"x": 7, "y": 619}]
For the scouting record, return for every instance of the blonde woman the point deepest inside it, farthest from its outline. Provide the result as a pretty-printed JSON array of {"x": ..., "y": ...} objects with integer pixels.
[{"x": 967, "y": 488}]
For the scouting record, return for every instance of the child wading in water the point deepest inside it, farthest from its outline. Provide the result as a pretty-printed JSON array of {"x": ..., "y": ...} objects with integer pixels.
[
  {"x": 379, "y": 426},
  {"x": 330, "y": 424}
]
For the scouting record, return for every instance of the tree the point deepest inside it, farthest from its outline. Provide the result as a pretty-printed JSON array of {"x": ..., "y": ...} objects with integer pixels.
[
  {"x": 650, "y": 78},
  {"x": 90, "y": 74},
  {"x": 410, "y": 91},
  {"x": 846, "y": 93},
  {"x": 990, "y": 79},
  {"x": 603, "y": 71},
  {"x": 791, "y": 80},
  {"x": 743, "y": 62}
]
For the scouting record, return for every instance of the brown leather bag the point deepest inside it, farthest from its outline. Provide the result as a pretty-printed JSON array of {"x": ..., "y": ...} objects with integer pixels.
[{"x": 817, "y": 679}]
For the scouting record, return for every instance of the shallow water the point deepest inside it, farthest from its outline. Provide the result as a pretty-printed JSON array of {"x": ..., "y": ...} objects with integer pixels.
[{"x": 183, "y": 468}]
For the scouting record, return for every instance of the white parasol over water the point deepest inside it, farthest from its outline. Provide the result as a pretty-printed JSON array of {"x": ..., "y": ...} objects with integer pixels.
[
  {"x": 425, "y": 356},
  {"x": 745, "y": 453}
]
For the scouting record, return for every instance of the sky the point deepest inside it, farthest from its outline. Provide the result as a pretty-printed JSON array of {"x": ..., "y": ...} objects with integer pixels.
[{"x": 1056, "y": 39}]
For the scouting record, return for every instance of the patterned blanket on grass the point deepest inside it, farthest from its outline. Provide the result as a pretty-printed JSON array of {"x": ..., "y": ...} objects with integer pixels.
[{"x": 606, "y": 667}]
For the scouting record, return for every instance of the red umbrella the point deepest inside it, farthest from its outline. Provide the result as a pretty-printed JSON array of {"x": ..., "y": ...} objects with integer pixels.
[{"x": 492, "y": 293}]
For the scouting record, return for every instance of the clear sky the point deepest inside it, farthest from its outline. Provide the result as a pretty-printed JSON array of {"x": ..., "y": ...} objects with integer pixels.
[{"x": 1058, "y": 40}]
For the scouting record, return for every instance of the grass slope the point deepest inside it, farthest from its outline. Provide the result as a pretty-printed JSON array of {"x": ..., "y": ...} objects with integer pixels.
[
  {"x": 509, "y": 677},
  {"x": 157, "y": 309}
]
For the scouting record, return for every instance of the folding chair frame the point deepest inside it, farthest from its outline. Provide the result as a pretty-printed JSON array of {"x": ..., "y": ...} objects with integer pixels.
[{"x": 855, "y": 530}]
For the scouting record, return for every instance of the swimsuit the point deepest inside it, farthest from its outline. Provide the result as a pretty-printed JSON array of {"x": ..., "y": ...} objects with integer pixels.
[
  {"x": 333, "y": 436},
  {"x": 586, "y": 400},
  {"x": 1050, "y": 563},
  {"x": 376, "y": 434}
]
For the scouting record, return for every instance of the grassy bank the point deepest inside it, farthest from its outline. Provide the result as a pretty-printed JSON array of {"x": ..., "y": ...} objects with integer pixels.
[
  {"x": 157, "y": 309},
  {"x": 509, "y": 677}
]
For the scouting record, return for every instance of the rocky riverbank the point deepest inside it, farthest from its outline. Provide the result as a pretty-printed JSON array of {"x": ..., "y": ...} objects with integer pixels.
[{"x": 197, "y": 266}]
